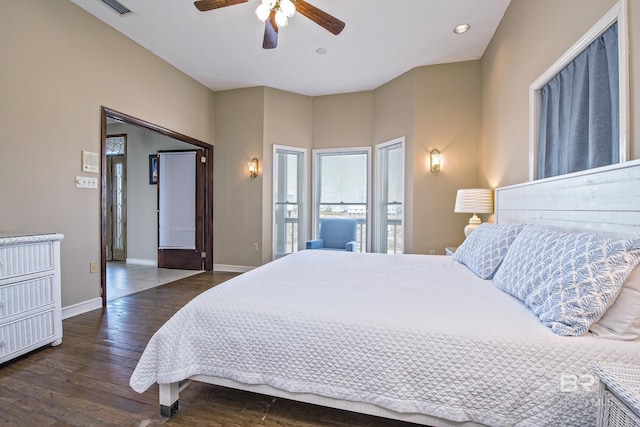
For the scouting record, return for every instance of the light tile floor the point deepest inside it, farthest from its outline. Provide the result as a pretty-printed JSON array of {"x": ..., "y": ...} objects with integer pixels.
[{"x": 125, "y": 279}]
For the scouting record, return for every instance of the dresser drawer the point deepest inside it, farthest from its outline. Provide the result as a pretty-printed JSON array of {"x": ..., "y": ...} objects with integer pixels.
[
  {"x": 18, "y": 260},
  {"x": 33, "y": 331},
  {"x": 616, "y": 413},
  {"x": 20, "y": 297}
]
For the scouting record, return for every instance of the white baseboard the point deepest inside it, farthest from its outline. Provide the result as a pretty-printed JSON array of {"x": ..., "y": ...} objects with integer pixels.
[
  {"x": 140, "y": 261},
  {"x": 232, "y": 268},
  {"x": 80, "y": 308}
]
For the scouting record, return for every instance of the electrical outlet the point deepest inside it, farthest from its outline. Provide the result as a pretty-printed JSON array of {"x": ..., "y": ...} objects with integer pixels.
[
  {"x": 432, "y": 252},
  {"x": 256, "y": 247},
  {"x": 93, "y": 266}
]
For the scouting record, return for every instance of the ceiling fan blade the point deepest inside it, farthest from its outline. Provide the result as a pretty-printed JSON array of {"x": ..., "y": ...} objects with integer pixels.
[
  {"x": 320, "y": 17},
  {"x": 270, "y": 40},
  {"x": 205, "y": 5}
]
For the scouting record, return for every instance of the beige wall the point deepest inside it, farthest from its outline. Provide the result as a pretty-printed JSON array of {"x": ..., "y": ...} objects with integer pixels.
[
  {"x": 530, "y": 38},
  {"x": 238, "y": 206},
  {"x": 249, "y": 122},
  {"x": 432, "y": 107},
  {"x": 344, "y": 120},
  {"x": 287, "y": 121},
  {"x": 394, "y": 115},
  {"x": 59, "y": 66},
  {"x": 447, "y": 117}
]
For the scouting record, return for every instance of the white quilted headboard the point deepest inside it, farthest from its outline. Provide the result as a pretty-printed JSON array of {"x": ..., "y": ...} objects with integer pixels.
[{"x": 604, "y": 200}]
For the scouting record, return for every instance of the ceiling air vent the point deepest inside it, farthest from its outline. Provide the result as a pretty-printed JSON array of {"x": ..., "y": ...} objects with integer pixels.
[{"x": 117, "y": 6}]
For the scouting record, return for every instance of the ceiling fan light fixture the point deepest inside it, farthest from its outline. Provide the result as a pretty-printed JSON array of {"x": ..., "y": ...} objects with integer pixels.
[
  {"x": 283, "y": 9},
  {"x": 262, "y": 12},
  {"x": 281, "y": 19},
  {"x": 287, "y": 7}
]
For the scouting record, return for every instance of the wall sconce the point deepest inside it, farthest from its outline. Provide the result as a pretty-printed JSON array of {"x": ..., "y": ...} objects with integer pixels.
[
  {"x": 253, "y": 168},
  {"x": 436, "y": 161}
]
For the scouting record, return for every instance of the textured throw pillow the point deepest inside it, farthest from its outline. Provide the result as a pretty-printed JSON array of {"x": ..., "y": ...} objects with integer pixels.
[
  {"x": 485, "y": 248},
  {"x": 568, "y": 280},
  {"x": 621, "y": 321}
]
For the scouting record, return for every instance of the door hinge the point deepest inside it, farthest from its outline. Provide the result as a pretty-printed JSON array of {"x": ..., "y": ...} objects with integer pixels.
[
  {"x": 203, "y": 159},
  {"x": 203, "y": 254}
]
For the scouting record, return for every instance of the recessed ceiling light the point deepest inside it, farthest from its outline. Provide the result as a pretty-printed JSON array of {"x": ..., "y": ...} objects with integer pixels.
[
  {"x": 462, "y": 28},
  {"x": 321, "y": 51}
]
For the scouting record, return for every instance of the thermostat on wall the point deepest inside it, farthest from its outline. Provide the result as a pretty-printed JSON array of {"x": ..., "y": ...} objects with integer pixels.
[{"x": 90, "y": 162}]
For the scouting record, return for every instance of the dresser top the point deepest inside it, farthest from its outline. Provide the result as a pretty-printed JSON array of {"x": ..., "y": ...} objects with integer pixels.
[{"x": 15, "y": 238}]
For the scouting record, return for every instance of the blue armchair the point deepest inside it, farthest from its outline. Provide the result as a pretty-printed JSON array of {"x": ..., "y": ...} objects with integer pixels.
[{"x": 336, "y": 234}]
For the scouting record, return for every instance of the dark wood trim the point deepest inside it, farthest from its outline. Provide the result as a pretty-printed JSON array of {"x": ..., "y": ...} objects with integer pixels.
[
  {"x": 208, "y": 209},
  {"x": 103, "y": 205},
  {"x": 208, "y": 182}
]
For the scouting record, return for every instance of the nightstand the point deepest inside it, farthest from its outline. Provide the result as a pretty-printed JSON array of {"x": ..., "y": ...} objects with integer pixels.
[
  {"x": 450, "y": 250},
  {"x": 618, "y": 395}
]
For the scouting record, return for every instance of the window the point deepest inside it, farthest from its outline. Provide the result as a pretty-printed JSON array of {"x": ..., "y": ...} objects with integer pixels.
[
  {"x": 579, "y": 106},
  {"x": 289, "y": 165},
  {"x": 389, "y": 212},
  {"x": 342, "y": 188}
]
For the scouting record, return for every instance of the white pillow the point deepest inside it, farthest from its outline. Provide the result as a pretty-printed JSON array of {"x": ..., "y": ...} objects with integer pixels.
[
  {"x": 568, "y": 280},
  {"x": 621, "y": 321},
  {"x": 484, "y": 249}
]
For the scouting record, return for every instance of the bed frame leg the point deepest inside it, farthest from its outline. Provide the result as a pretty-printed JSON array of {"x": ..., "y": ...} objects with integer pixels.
[{"x": 169, "y": 399}]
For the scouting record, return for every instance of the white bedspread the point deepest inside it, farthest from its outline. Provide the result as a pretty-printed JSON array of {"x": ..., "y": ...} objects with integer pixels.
[{"x": 410, "y": 333}]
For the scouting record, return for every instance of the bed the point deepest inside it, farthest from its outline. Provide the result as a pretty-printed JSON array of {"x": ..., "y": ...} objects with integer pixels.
[{"x": 435, "y": 340}]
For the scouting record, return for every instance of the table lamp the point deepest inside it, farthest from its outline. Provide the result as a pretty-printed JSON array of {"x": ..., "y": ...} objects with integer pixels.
[{"x": 473, "y": 201}]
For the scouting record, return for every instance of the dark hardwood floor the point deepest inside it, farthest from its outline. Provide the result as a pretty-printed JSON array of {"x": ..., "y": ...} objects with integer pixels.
[{"x": 85, "y": 381}]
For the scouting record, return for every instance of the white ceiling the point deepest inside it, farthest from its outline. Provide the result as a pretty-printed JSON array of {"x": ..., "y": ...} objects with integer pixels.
[{"x": 222, "y": 48}]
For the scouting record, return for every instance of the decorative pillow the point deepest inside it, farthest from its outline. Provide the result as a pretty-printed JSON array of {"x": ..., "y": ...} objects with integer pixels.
[
  {"x": 567, "y": 280},
  {"x": 485, "y": 248},
  {"x": 621, "y": 321}
]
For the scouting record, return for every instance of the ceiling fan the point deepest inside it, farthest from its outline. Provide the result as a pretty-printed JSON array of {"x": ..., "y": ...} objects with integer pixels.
[{"x": 274, "y": 13}]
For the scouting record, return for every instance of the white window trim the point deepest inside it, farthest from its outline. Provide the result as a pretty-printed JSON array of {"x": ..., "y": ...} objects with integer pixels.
[
  {"x": 377, "y": 219},
  {"x": 316, "y": 186},
  {"x": 302, "y": 212},
  {"x": 616, "y": 13}
]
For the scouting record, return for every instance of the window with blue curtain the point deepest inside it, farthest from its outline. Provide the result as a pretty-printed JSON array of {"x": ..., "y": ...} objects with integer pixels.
[{"x": 579, "y": 111}]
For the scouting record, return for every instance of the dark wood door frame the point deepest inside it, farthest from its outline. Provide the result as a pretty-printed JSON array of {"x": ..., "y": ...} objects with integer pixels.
[{"x": 208, "y": 187}]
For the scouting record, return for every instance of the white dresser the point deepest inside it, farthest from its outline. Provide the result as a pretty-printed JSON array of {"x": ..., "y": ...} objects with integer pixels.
[
  {"x": 619, "y": 395},
  {"x": 30, "y": 302}
]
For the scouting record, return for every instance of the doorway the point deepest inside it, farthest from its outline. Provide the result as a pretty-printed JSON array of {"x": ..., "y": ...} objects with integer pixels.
[{"x": 151, "y": 131}]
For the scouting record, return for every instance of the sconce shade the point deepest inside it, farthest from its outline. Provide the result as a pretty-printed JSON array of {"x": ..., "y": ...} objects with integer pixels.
[
  {"x": 253, "y": 168},
  {"x": 435, "y": 162},
  {"x": 474, "y": 200}
]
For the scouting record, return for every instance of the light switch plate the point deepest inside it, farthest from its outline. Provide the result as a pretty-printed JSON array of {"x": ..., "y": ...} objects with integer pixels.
[{"x": 86, "y": 182}]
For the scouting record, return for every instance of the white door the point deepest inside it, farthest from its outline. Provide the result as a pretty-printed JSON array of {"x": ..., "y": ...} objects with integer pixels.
[{"x": 180, "y": 239}]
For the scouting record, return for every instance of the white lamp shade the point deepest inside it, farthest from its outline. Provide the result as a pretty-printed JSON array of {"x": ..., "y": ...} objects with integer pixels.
[{"x": 474, "y": 200}]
